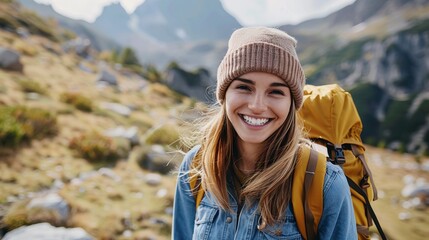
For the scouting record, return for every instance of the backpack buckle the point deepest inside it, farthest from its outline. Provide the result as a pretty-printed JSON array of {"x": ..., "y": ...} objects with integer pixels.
[
  {"x": 339, "y": 156},
  {"x": 364, "y": 182},
  {"x": 336, "y": 154}
]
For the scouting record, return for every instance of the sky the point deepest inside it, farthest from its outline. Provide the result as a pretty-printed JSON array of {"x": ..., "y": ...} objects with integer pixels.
[{"x": 247, "y": 12}]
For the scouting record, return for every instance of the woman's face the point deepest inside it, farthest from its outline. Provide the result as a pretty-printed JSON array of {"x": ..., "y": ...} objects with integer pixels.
[{"x": 257, "y": 104}]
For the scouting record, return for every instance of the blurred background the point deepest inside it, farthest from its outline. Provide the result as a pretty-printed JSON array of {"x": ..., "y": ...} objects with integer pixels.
[{"x": 95, "y": 95}]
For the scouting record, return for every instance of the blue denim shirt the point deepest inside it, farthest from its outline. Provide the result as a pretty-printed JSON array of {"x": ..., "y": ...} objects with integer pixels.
[{"x": 209, "y": 221}]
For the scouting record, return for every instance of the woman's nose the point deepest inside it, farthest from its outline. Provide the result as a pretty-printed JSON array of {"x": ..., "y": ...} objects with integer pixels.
[{"x": 257, "y": 103}]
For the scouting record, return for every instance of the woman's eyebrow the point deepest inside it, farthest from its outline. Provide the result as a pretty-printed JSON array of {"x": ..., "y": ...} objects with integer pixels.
[
  {"x": 274, "y": 84},
  {"x": 278, "y": 84},
  {"x": 245, "y": 80}
]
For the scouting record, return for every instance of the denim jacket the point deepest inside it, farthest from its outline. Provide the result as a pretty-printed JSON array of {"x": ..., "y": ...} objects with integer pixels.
[{"x": 210, "y": 221}]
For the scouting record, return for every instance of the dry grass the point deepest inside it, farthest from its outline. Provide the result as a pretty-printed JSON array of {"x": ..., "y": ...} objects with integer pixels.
[
  {"x": 389, "y": 182},
  {"x": 98, "y": 203}
]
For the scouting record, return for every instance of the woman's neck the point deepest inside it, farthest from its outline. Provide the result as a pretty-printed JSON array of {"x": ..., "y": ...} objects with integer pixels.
[{"x": 249, "y": 154}]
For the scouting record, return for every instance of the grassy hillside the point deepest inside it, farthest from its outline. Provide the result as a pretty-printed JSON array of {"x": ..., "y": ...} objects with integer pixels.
[
  {"x": 63, "y": 86},
  {"x": 398, "y": 219}
]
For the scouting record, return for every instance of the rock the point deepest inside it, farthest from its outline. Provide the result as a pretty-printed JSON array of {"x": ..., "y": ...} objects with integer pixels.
[
  {"x": 162, "y": 193},
  {"x": 10, "y": 60},
  {"x": 117, "y": 108},
  {"x": 403, "y": 216},
  {"x": 51, "y": 201},
  {"x": 45, "y": 231},
  {"x": 158, "y": 221},
  {"x": 107, "y": 172},
  {"x": 85, "y": 68},
  {"x": 169, "y": 211},
  {"x": 127, "y": 234},
  {"x": 197, "y": 85},
  {"x": 23, "y": 32},
  {"x": 153, "y": 179},
  {"x": 32, "y": 96},
  {"x": 131, "y": 134},
  {"x": 80, "y": 46},
  {"x": 416, "y": 191},
  {"x": 156, "y": 162},
  {"x": 107, "y": 77}
]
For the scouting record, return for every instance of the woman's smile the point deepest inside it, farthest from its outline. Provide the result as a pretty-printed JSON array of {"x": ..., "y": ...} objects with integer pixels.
[{"x": 255, "y": 121}]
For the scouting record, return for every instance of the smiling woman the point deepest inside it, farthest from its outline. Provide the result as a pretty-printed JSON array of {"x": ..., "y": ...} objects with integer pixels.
[{"x": 248, "y": 150}]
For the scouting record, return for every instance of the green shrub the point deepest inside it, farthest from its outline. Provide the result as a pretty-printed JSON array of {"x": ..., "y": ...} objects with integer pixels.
[
  {"x": 37, "y": 123},
  {"x": 18, "y": 124},
  {"x": 78, "y": 101},
  {"x": 128, "y": 57},
  {"x": 31, "y": 86},
  {"x": 94, "y": 147},
  {"x": 165, "y": 135},
  {"x": 11, "y": 132},
  {"x": 152, "y": 74}
]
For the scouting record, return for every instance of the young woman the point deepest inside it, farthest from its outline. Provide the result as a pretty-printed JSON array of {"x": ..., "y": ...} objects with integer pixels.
[{"x": 247, "y": 151}]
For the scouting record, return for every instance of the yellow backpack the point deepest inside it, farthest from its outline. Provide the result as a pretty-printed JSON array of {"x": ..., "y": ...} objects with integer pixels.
[{"x": 330, "y": 118}]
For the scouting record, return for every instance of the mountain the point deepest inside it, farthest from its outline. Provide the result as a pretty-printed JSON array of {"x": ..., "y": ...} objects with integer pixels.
[
  {"x": 186, "y": 20},
  {"x": 99, "y": 40},
  {"x": 378, "y": 50},
  {"x": 118, "y": 27},
  {"x": 361, "y": 11}
]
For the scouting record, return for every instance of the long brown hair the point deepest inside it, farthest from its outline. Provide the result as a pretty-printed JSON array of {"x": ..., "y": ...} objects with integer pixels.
[{"x": 270, "y": 185}]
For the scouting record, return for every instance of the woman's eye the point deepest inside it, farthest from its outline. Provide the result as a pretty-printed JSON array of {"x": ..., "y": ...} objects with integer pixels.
[
  {"x": 277, "y": 92},
  {"x": 243, "y": 87}
]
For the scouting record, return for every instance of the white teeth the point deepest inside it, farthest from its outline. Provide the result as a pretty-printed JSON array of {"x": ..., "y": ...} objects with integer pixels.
[{"x": 255, "y": 121}]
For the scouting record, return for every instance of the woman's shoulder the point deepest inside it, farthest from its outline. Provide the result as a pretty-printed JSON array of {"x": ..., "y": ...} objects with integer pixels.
[
  {"x": 335, "y": 178},
  {"x": 333, "y": 174},
  {"x": 189, "y": 156}
]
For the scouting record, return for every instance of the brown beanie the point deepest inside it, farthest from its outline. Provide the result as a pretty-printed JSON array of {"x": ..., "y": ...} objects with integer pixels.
[{"x": 261, "y": 49}]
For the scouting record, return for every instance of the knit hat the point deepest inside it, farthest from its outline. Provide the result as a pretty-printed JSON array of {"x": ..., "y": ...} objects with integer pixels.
[{"x": 261, "y": 49}]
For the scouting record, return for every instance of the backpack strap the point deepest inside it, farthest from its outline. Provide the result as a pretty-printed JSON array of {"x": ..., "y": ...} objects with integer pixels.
[
  {"x": 367, "y": 171},
  {"x": 307, "y": 191},
  {"x": 308, "y": 180},
  {"x": 368, "y": 206},
  {"x": 196, "y": 188},
  {"x": 195, "y": 182}
]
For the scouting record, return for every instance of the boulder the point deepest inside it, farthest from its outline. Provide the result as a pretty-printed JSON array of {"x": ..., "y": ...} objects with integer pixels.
[
  {"x": 117, "y": 108},
  {"x": 156, "y": 161},
  {"x": 80, "y": 46},
  {"x": 153, "y": 179},
  {"x": 45, "y": 231},
  {"x": 131, "y": 134},
  {"x": 54, "y": 202},
  {"x": 106, "y": 77},
  {"x": 10, "y": 60}
]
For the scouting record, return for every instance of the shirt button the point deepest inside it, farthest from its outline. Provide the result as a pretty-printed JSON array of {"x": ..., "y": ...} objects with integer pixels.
[{"x": 229, "y": 219}]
